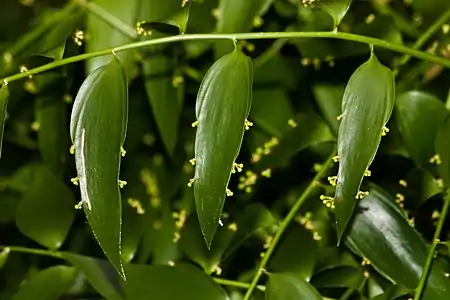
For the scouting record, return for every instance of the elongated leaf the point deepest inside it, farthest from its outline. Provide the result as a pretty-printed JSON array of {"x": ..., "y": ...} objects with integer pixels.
[
  {"x": 419, "y": 116},
  {"x": 290, "y": 287},
  {"x": 290, "y": 257},
  {"x": 52, "y": 134},
  {"x": 223, "y": 104},
  {"x": 381, "y": 234},
  {"x": 98, "y": 128},
  {"x": 366, "y": 107},
  {"x": 101, "y": 35},
  {"x": 4, "y": 94},
  {"x": 98, "y": 273},
  {"x": 50, "y": 283},
  {"x": 168, "y": 283},
  {"x": 335, "y": 8},
  {"x": 46, "y": 211},
  {"x": 4, "y": 256},
  {"x": 443, "y": 149}
]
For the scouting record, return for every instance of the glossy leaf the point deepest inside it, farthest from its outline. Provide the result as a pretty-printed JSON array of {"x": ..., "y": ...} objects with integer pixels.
[
  {"x": 98, "y": 128},
  {"x": 98, "y": 273},
  {"x": 46, "y": 211},
  {"x": 4, "y": 94},
  {"x": 167, "y": 283},
  {"x": 101, "y": 35},
  {"x": 366, "y": 108},
  {"x": 335, "y": 8},
  {"x": 329, "y": 100},
  {"x": 223, "y": 105},
  {"x": 443, "y": 149},
  {"x": 290, "y": 257},
  {"x": 381, "y": 234},
  {"x": 419, "y": 116},
  {"x": 52, "y": 133},
  {"x": 50, "y": 283},
  {"x": 290, "y": 287}
]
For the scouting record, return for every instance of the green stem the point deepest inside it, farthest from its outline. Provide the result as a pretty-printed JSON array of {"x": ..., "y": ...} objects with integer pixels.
[
  {"x": 437, "y": 234},
  {"x": 286, "y": 221},
  {"x": 42, "y": 252},
  {"x": 270, "y": 52},
  {"x": 115, "y": 22},
  {"x": 236, "y": 284},
  {"x": 240, "y": 36},
  {"x": 424, "y": 38}
]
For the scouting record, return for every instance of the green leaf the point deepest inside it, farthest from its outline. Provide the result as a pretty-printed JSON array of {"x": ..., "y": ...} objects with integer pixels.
[
  {"x": 237, "y": 16},
  {"x": 46, "y": 211},
  {"x": 51, "y": 117},
  {"x": 329, "y": 100},
  {"x": 366, "y": 107},
  {"x": 223, "y": 105},
  {"x": 289, "y": 257},
  {"x": 290, "y": 287},
  {"x": 255, "y": 219},
  {"x": 419, "y": 116},
  {"x": 264, "y": 105},
  {"x": 168, "y": 283},
  {"x": 338, "y": 277},
  {"x": 335, "y": 8},
  {"x": 9, "y": 200},
  {"x": 50, "y": 283},
  {"x": 443, "y": 149},
  {"x": 421, "y": 186},
  {"x": 98, "y": 128},
  {"x": 430, "y": 8},
  {"x": 381, "y": 234},
  {"x": 4, "y": 94},
  {"x": 101, "y": 35},
  {"x": 98, "y": 273},
  {"x": 4, "y": 256},
  {"x": 394, "y": 292}
]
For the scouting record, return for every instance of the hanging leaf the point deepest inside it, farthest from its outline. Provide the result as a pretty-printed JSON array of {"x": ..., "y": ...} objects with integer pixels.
[
  {"x": 167, "y": 283},
  {"x": 98, "y": 128},
  {"x": 380, "y": 233},
  {"x": 50, "y": 283},
  {"x": 443, "y": 150},
  {"x": 290, "y": 258},
  {"x": 101, "y": 35},
  {"x": 335, "y": 8},
  {"x": 52, "y": 133},
  {"x": 46, "y": 211},
  {"x": 290, "y": 287},
  {"x": 4, "y": 95},
  {"x": 366, "y": 107},
  {"x": 223, "y": 105},
  {"x": 419, "y": 116},
  {"x": 98, "y": 273}
]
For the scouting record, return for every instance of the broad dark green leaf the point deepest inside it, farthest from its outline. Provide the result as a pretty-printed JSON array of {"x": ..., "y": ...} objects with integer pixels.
[
  {"x": 310, "y": 130},
  {"x": 366, "y": 108},
  {"x": 98, "y": 273},
  {"x": 338, "y": 277},
  {"x": 4, "y": 94},
  {"x": 98, "y": 129},
  {"x": 223, "y": 105},
  {"x": 49, "y": 284},
  {"x": 296, "y": 254},
  {"x": 255, "y": 219},
  {"x": 335, "y": 8},
  {"x": 52, "y": 133},
  {"x": 381, "y": 234},
  {"x": 101, "y": 35},
  {"x": 168, "y": 283},
  {"x": 237, "y": 16},
  {"x": 290, "y": 287},
  {"x": 46, "y": 211},
  {"x": 443, "y": 149},
  {"x": 394, "y": 292},
  {"x": 419, "y": 116},
  {"x": 265, "y": 103},
  {"x": 329, "y": 100},
  {"x": 193, "y": 245}
]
